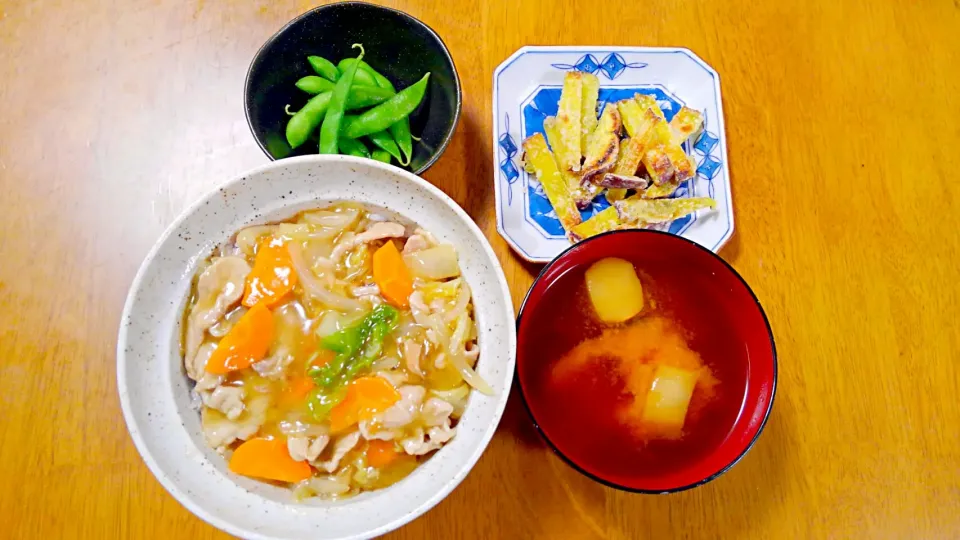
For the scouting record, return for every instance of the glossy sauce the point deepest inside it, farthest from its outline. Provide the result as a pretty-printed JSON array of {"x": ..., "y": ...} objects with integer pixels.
[{"x": 581, "y": 409}]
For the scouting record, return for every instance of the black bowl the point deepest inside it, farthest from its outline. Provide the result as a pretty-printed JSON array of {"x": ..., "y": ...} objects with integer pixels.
[{"x": 396, "y": 44}]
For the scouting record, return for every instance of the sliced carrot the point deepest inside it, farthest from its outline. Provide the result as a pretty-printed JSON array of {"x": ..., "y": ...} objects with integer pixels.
[
  {"x": 392, "y": 275},
  {"x": 365, "y": 397},
  {"x": 322, "y": 358},
  {"x": 380, "y": 453},
  {"x": 272, "y": 275},
  {"x": 268, "y": 459},
  {"x": 297, "y": 390},
  {"x": 247, "y": 342}
]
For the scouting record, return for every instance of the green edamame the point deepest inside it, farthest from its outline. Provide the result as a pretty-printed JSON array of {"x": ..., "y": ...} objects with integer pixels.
[
  {"x": 306, "y": 120},
  {"x": 387, "y": 113},
  {"x": 400, "y": 130},
  {"x": 330, "y": 128},
  {"x": 380, "y": 154},
  {"x": 379, "y": 79},
  {"x": 312, "y": 84},
  {"x": 385, "y": 142},
  {"x": 324, "y": 68},
  {"x": 353, "y": 147},
  {"x": 364, "y": 78}
]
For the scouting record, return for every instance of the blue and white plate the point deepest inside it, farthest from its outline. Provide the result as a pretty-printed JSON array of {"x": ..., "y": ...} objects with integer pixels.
[{"x": 526, "y": 89}]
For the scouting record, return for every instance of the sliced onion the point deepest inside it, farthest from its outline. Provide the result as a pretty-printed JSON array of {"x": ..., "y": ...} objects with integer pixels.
[
  {"x": 456, "y": 397},
  {"x": 435, "y": 263},
  {"x": 334, "y": 220},
  {"x": 248, "y": 238},
  {"x": 455, "y": 355},
  {"x": 226, "y": 323},
  {"x": 315, "y": 288},
  {"x": 468, "y": 374},
  {"x": 303, "y": 231},
  {"x": 329, "y": 323},
  {"x": 463, "y": 299}
]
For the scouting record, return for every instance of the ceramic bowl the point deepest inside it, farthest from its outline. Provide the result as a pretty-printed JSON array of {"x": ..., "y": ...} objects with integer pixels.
[
  {"x": 155, "y": 392},
  {"x": 397, "y": 45},
  {"x": 526, "y": 89}
]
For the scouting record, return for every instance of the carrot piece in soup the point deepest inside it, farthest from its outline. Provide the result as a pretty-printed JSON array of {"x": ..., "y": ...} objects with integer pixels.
[
  {"x": 392, "y": 275},
  {"x": 268, "y": 459},
  {"x": 247, "y": 342},
  {"x": 381, "y": 453},
  {"x": 272, "y": 275},
  {"x": 365, "y": 397}
]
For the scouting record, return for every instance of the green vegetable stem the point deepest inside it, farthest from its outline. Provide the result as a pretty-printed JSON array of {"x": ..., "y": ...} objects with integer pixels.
[
  {"x": 330, "y": 128},
  {"x": 356, "y": 348}
]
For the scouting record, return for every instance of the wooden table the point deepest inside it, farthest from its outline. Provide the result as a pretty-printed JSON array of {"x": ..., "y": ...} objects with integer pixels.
[{"x": 842, "y": 122}]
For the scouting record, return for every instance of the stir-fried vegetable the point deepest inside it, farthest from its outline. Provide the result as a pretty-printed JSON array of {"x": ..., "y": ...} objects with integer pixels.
[
  {"x": 247, "y": 342},
  {"x": 268, "y": 459},
  {"x": 381, "y": 453},
  {"x": 365, "y": 397},
  {"x": 356, "y": 348},
  {"x": 391, "y": 275},
  {"x": 272, "y": 276},
  {"x": 438, "y": 262}
]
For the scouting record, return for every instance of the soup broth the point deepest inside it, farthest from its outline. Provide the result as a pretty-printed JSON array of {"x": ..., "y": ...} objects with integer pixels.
[{"x": 585, "y": 380}]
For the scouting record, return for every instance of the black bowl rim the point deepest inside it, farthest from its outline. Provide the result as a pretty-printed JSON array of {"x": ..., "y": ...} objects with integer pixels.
[
  {"x": 570, "y": 462},
  {"x": 443, "y": 47}
]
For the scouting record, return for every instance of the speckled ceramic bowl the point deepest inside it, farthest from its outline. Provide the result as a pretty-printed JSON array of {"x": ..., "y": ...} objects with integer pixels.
[{"x": 154, "y": 392}]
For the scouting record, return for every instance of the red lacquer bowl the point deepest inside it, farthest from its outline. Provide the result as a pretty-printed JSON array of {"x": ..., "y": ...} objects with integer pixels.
[{"x": 731, "y": 309}]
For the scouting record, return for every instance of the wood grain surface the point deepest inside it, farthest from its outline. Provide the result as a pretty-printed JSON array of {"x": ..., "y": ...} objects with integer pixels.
[{"x": 843, "y": 121}]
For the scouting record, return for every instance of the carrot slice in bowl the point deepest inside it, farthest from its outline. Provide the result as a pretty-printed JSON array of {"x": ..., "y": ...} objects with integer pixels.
[
  {"x": 268, "y": 459},
  {"x": 247, "y": 342},
  {"x": 392, "y": 275},
  {"x": 365, "y": 397},
  {"x": 272, "y": 276},
  {"x": 381, "y": 453}
]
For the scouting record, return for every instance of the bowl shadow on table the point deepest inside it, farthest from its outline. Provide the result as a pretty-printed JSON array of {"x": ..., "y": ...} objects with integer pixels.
[
  {"x": 730, "y": 506},
  {"x": 520, "y": 489},
  {"x": 730, "y": 251}
]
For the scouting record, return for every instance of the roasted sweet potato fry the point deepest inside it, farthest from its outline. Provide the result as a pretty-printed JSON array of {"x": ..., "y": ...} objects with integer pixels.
[
  {"x": 634, "y": 114},
  {"x": 588, "y": 109},
  {"x": 605, "y": 220},
  {"x": 636, "y": 211},
  {"x": 664, "y": 159},
  {"x": 618, "y": 181},
  {"x": 603, "y": 145},
  {"x": 569, "y": 115},
  {"x": 654, "y": 191},
  {"x": 686, "y": 124},
  {"x": 538, "y": 160},
  {"x": 628, "y": 161},
  {"x": 582, "y": 193}
]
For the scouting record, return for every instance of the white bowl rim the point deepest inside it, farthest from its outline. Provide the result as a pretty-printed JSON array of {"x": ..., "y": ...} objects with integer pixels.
[{"x": 133, "y": 429}]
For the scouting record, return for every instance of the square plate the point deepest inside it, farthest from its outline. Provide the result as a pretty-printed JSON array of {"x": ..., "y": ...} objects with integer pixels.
[{"x": 526, "y": 89}]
